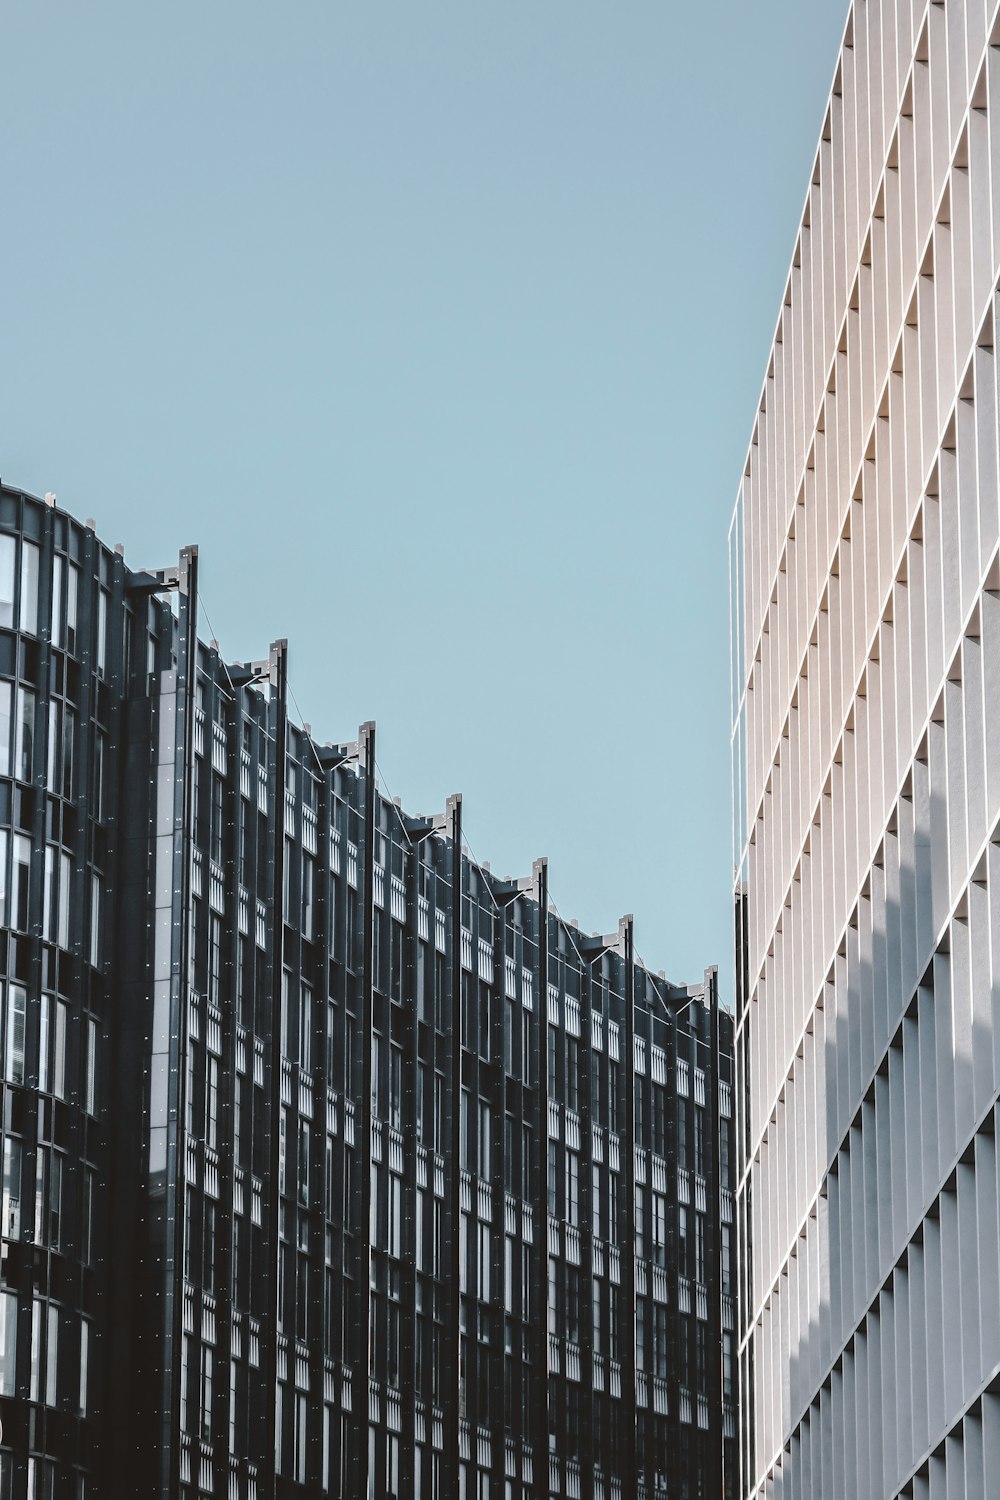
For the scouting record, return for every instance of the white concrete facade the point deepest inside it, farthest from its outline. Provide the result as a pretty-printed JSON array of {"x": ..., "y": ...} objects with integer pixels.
[{"x": 866, "y": 754}]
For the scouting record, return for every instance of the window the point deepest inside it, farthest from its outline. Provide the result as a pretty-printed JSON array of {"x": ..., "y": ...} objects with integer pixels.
[
  {"x": 395, "y": 1210},
  {"x": 573, "y": 1304},
  {"x": 484, "y": 1022},
  {"x": 396, "y": 1088},
  {"x": 464, "y": 1145},
  {"x": 485, "y": 1126},
  {"x": 392, "y": 1490},
  {"x": 8, "y": 1341},
  {"x": 55, "y": 1214},
  {"x": 87, "y": 1221},
  {"x": 49, "y": 894},
  {"x": 305, "y": 1028},
  {"x": 207, "y": 1369},
  {"x": 509, "y": 1019},
  {"x": 553, "y": 1186},
  {"x": 573, "y": 1073},
  {"x": 68, "y": 751},
  {"x": 596, "y": 1204},
  {"x": 573, "y": 1189},
  {"x": 16, "y": 1010},
  {"x": 303, "y": 1164},
  {"x": 72, "y": 591},
  {"x": 10, "y": 1227},
  {"x": 660, "y": 1341},
  {"x": 552, "y": 1062},
  {"x": 95, "y": 920},
  {"x": 308, "y": 898},
  {"x": 208, "y": 1247},
  {"x": 659, "y": 1119},
  {"x": 640, "y": 1333},
  {"x": 484, "y": 1263},
  {"x": 24, "y": 753},
  {"x": 22, "y": 871},
  {"x": 65, "y": 876},
  {"x": 660, "y": 1229},
  {"x": 44, "y": 1009},
  {"x": 598, "y": 1319},
  {"x": 215, "y": 844},
  {"x": 553, "y": 1297},
  {"x": 84, "y": 1364},
  {"x": 287, "y": 1048},
  {"x": 102, "y": 631},
  {"x": 8, "y": 554},
  {"x": 211, "y": 1101},
  {"x": 301, "y": 1410},
  {"x": 58, "y": 621},
  {"x": 90, "y": 1069},
  {"x": 526, "y": 1073},
  {"x": 349, "y": 1044},
  {"x": 37, "y": 1348},
  {"x": 376, "y": 1069},
  {"x": 215, "y": 959},
  {"x": 29, "y": 588},
  {"x": 5, "y": 706}
]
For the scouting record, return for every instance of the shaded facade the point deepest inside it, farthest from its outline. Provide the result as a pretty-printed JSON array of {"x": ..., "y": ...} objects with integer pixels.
[
  {"x": 333, "y": 1164},
  {"x": 866, "y": 651}
]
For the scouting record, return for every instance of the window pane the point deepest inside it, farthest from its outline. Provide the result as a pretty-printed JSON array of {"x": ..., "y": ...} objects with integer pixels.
[
  {"x": 15, "y": 1034},
  {"x": 5, "y": 704},
  {"x": 58, "y": 569},
  {"x": 11, "y": 1204},
  {"x": 24, "y": 758},
  {"x": 29, "y": 587},
  {"x": 8, "y": 553},
  {"x": 8, "y": 1341},
  {"x": 72, "y": 583}
]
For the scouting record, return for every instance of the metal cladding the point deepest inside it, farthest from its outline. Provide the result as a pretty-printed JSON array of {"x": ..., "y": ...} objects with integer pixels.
[
  {"x": 866, "y": 754},
  {"x": 332, "y": 1164}
]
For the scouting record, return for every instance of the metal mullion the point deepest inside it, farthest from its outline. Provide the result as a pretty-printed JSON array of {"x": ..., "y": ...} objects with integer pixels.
[
  {"x": 338, "y": 895},
  {"x": 408, "y": 1273},
  {"x": 277, "y": 720},
  {"x": 316, "y": 1321},
  {"x": 627, "y": 1426},
  {"x": 498, "y": 1149},
  {"x": 363, "y": 1116},
  {"x": 173, "y": 1218},
  {"x": 453, "y": 1174},
  {"x": 714, "y": 1251},
  {"x": 540, "y": 1447},
  {"x": 587, "y": 1230},
  {"x": 84, "y": 983},
  {"x": 227, "y": 1087}
]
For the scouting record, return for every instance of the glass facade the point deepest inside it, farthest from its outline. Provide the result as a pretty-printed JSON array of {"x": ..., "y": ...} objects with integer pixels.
[{"x": 332, "y": 1164}]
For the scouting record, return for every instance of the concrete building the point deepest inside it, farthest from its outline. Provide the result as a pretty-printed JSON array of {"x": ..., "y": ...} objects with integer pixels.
[
  {"x": 866, "y": 754},
  {"x": 333, "y": 1164}
]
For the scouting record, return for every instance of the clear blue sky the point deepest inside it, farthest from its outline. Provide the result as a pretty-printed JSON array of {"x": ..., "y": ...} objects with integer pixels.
[{"x": 440, "y": 327}]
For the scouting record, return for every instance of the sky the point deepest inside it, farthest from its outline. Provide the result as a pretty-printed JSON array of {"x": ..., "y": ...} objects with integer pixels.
[{"x": 440, "y": 328}]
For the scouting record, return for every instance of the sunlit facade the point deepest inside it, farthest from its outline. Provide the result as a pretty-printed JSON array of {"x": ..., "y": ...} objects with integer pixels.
[{"x": 866, "y": 755}]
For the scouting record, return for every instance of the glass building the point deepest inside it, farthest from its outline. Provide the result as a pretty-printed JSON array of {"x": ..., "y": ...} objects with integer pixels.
[
  {"x": 333, "y": 1164},
  {"x": 866, "y": 753}
]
